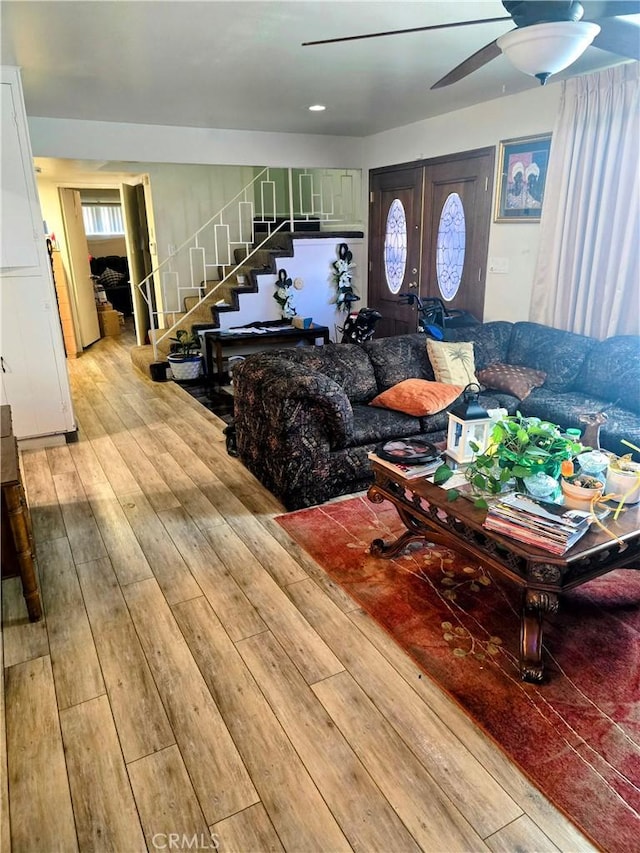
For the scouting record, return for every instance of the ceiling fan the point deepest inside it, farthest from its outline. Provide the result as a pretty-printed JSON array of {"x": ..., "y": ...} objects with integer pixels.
[{"x": 549, "y": 35}]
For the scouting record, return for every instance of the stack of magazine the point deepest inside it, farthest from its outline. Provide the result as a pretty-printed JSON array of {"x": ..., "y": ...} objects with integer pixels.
[
  {"x": 545, "y": 525},
  {"x": 409, "y": 472}
]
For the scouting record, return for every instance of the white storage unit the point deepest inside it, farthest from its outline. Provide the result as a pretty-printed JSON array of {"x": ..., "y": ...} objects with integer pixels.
[{"x": 33, "y": 366}]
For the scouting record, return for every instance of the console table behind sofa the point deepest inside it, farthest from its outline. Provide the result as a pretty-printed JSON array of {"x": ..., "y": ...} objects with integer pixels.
[{"x": 220, "y": 340}]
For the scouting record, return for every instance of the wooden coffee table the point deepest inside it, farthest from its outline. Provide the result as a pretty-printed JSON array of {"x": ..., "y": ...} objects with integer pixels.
[{"x": 430, "y": 517}]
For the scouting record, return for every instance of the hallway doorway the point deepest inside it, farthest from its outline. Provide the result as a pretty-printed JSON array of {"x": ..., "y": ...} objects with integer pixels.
[{"x": 84, "y": 211}]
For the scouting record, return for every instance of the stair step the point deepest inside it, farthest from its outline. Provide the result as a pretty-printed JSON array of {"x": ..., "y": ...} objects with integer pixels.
[
  {"x": 261, "y": 258},
  {"x": 223, "y": 297},
  {"x": 142, "y": 357}
]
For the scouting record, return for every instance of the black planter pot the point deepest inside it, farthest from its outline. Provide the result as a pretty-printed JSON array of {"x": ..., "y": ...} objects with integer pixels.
[{"x": 158, "y": 370}]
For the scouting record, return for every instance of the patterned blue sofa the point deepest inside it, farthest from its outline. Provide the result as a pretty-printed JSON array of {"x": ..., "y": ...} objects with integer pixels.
[{"x": 304, "y": 426}]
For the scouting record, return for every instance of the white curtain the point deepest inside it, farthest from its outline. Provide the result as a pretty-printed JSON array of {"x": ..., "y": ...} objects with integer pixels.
[{"x": 587, "y": 277}]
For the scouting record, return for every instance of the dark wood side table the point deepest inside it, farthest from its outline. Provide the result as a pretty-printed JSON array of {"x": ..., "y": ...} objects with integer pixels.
[
  {"x": 17, "y": 540},
  {"x": 276, "y": 334}
]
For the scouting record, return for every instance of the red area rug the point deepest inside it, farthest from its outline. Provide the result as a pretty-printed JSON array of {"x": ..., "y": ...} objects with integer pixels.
[{"x": 577, "y": 736}]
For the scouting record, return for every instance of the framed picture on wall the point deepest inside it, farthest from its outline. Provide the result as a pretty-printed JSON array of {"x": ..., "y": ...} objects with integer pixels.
[{"x": 522, "y": 177}]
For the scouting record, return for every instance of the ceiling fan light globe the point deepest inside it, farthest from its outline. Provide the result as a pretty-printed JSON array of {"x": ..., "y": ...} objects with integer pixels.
[{"x": 544, "y": 49}]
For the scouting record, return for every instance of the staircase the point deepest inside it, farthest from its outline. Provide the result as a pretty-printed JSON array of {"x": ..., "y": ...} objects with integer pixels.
[
  {"x": 207, "y": 275},
  {"x": 225, "y": 296}
]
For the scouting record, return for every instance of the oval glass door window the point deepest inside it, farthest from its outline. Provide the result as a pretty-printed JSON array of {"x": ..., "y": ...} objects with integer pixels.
[
  {"x": 452, "y": 233},
  {"x": 395, "y": 246}
]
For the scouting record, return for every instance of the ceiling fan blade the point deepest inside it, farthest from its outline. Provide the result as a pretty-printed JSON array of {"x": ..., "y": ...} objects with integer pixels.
[
  {"x": 400, "y": 32},
  {"x": 594, "y": 9},
  {"x": 618, "y": 36},
  {"x": 477, "y": 60}
]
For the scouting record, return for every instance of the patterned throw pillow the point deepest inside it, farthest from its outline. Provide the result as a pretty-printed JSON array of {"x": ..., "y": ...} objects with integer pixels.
[
  {"x": 109, "y": 278},
  {"x": 453, "y": 363},
  {"x": 417, "y": 397},
  {"x": 512, "y": 379}
]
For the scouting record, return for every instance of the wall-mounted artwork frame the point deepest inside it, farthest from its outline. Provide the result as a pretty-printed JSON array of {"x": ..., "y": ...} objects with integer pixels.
[{"x": 522, "y": 176}]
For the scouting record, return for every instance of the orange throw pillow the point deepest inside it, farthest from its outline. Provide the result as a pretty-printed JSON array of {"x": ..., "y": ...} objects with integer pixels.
[{"x": 418, "y": 397}]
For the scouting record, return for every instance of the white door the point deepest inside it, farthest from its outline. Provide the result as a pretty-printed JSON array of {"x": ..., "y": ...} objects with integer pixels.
[{"x": 78, "y": 252}]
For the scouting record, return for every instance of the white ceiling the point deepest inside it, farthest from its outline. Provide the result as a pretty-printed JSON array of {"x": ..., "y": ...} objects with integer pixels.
[{"x": 240, "y": 64}]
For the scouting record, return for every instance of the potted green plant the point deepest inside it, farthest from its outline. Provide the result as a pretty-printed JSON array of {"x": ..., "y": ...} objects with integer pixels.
[
  {"x": 518, "y": 448},
  {"x": 580, "y": 490},
  {"x": 185, "y": 359}
]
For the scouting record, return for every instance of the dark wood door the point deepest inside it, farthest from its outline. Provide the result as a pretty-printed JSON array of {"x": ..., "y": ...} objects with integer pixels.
[
  {"x": 395, "y": 209},
  {"x": 456, "y": 221}
]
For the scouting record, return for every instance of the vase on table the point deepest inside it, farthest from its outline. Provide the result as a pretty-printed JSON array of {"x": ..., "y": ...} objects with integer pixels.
[{"x": 541, "y": 485}]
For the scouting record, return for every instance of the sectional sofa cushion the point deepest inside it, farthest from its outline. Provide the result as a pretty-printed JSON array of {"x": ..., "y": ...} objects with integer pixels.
[
  {"x": 490, "y": 341},
  {"x": 371, "y": 425},
  {"x": 395, "y": 359},
  {"x": 565, "y": 409},
  {"x": 558, "y": 353},
  {"x": 611, "y": 371},
  {"x": 347, "y": 365}
]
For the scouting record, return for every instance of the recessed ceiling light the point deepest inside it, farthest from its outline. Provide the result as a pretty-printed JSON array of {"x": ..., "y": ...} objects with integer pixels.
[{"x": 317, "y": 108}]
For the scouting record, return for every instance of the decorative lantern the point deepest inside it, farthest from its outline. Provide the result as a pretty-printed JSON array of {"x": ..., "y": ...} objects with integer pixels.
[{"x": 468, "y": 422}]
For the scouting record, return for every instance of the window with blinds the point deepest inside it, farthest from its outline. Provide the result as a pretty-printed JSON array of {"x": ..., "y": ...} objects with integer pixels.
[{"x": 102, "y": 219}]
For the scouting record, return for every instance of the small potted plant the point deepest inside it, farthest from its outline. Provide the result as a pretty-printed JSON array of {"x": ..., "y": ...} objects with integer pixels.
[
  {"x": 519, "y": 448},
  {"x": 580, "y": 490},
  {"x": 185, "y": 359}
]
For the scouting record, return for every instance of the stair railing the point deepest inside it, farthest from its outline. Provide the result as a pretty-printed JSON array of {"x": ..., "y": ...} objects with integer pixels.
[{"x": 212, "y": 247}]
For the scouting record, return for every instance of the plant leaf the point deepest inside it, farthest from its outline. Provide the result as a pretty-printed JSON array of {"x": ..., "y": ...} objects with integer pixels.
[{"x": 442, "y": 474}]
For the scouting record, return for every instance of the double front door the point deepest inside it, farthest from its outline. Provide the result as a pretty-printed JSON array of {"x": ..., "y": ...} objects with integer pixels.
[{"x": 429, "y": 235}]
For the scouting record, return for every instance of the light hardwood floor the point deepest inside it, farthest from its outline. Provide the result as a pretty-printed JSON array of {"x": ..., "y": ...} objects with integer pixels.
[{"x": 198, "y": 682}]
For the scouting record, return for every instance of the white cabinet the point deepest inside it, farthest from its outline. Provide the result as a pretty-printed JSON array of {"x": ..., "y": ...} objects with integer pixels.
[
  {"x": 33, "y": 367},
  {"x": 17, "y": 235}
]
